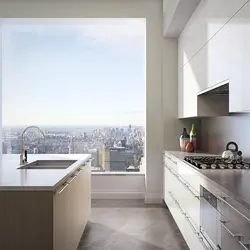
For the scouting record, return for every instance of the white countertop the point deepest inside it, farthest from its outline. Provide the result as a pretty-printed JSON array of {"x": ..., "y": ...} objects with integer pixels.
[{"x": 12, "y": 178}]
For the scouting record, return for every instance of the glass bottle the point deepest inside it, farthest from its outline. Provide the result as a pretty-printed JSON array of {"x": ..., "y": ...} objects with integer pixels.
[
  {"x": 193, "y": 137},
  {"x": 184, "y": 139}
]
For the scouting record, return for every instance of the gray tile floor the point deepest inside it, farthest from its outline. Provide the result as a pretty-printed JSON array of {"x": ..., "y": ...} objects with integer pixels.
[{"x": 130, "y": 225}]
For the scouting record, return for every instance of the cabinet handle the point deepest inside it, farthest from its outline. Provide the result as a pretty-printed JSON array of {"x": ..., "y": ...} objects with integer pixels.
[
  {"x": 223, "y": 223},
  {"x": 74, "y": 176},
  {"x": 188, "y": 187},
  {"x": 223, "y": 199},
  {"x": 245, "y": 246},
  {"x": 178, "y": 204},
  {"x": 202, "y": 241},
  {"x": 185, "y": 214},
  {"x": 175, "y": 162},
  {"x": 68, "y": 182},
  {"x": 191, "y": 225},
  {"x": 185, "y": 184},
  {"x": 78, "y": 172},
  {"x": 63, "y": 188},
  {"x": 190, "y": 222}
]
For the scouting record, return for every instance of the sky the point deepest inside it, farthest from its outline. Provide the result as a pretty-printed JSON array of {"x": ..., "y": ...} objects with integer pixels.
[{"x": 73, "y": 72}]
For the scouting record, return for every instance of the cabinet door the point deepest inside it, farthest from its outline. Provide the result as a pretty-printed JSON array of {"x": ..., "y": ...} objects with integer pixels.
[
  {"x": 188, "y": 199},
  {"x": 188, "y": 89},
  {"x": 189, "y": 233},
  {"x": 83, "y": 198},
  {"x": 209, "y": 17},
  {"x": 65, "y": 217},
  {"x": 239, "y": 86},
  {"x": 60, "y": 218},
  {"x": 218, "y": 57},
  {"x": 192, "y": 80},
  {"x": 167, "y": 182}
]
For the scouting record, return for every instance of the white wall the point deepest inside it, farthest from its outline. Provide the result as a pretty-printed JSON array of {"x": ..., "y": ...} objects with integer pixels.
[
  {"x": 176, "y": 15},
  {"x": 152, "y": 11},
  {"x": 112, "y": 186},
  {"x": 172, "y": 126}
]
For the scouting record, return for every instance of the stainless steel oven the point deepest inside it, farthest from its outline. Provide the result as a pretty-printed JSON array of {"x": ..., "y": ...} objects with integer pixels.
[{"x": 218, "y": 228}]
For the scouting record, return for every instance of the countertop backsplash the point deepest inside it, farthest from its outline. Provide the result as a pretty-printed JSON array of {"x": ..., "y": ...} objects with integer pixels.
[{"x": 217, "y": 132}]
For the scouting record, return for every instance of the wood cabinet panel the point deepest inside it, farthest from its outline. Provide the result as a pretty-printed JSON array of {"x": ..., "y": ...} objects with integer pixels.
[
  {"x": 70, "y": 220},
  {"x": 26, "y": 220}
]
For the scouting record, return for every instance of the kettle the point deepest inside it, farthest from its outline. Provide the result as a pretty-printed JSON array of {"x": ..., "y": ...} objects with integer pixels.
[{"x": 231, "y": 155}]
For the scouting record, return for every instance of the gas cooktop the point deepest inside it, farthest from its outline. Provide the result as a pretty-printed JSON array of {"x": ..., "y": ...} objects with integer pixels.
[{"x": 215, "y": 162}]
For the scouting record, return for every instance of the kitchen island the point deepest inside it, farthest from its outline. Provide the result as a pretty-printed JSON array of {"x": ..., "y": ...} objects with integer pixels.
[
  {"x": 44, "y": 208},
  {"x": 226, "y": 218}
]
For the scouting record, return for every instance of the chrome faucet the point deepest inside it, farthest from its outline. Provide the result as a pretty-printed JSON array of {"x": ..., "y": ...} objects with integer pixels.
[{"x": 23, "y": 155}]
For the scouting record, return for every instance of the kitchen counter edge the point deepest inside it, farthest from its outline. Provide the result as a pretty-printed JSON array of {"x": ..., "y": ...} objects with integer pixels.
[
  {"x": 70, "y": 171},
  {"x": 180, "y": 157}
]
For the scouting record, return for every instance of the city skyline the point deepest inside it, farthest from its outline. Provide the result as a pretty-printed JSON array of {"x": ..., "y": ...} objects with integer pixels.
[
  {"x": 112, "y": 148},
  {"x": 73, "y": 125},
  {"x": 67, "y": 73}
]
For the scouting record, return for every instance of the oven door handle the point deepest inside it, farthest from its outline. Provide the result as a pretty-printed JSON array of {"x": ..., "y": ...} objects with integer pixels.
[{"x": 223, "y": 223}]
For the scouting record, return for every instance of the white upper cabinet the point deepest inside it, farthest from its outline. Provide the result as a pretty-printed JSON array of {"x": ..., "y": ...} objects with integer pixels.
[
  {"x": 214, "y": 47},
  {"x": 218, "y": 57},
  {"x": 208, "y": 18},
  {"x": 239, "y": 77},
  {"x": 193, "y": 77}
]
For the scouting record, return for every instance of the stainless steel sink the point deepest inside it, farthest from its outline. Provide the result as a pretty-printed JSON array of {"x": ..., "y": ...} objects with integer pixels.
[{"x": 48, "y": 164}]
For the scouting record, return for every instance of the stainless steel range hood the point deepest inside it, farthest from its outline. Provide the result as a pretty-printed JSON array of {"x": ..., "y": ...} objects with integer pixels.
[{"x": 214, "y": 101}]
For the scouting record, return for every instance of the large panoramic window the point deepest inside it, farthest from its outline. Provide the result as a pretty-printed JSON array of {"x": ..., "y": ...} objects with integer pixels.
[{"x": 82, "y": 82}]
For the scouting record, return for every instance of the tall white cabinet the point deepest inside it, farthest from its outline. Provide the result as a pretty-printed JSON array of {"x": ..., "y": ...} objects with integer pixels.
[
  {"x": 214, "y": 48},
  {"x": 239, "y": 29}
]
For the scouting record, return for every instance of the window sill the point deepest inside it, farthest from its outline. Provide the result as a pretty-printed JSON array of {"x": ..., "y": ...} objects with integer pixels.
[{"x": 118, "y": 173}]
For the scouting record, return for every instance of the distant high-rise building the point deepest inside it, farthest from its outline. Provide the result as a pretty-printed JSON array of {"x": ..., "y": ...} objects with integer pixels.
[
  {"x": 100, "y": 158},
  {"x": 95, "y": 155},
  {"x": 71, "y": 145},
  {"x": 121, "y": 159},
  {"x": 8, "y": 141},
  {"x": 124, "y": 141},
  {"x": 129, "y": 129},
  {"x": 106, "y": 159}
]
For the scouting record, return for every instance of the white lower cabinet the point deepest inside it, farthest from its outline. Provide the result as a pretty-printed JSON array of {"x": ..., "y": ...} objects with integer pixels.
[{"x": 184, "y": 204}]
